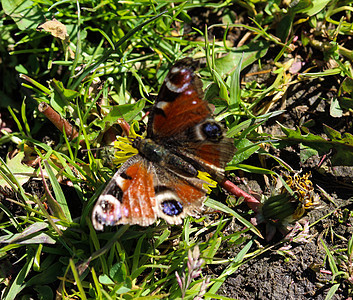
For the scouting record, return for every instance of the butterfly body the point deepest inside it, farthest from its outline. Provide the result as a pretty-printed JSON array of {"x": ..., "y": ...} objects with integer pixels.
[
  {"x": 161, "y": 180},
  {"x": 165, "y": 158}
]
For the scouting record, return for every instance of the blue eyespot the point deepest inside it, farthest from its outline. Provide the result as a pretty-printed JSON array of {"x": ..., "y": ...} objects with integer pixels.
[
  {"x": 212, "y": 130},
  {"x": 172, "y": 207}
]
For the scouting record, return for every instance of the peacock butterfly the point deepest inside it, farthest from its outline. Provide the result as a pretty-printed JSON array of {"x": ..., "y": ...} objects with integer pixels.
[{"x": 161, "y": 180}]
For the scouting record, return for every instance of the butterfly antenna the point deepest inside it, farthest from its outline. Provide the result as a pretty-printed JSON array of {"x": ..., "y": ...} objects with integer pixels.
[{"x": 97, "y": 148}]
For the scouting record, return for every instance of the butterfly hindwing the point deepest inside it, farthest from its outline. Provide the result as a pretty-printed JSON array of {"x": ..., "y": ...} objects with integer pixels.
[
  {"x": 140, "y": 191},
  {"x": 128, "y": 198}
]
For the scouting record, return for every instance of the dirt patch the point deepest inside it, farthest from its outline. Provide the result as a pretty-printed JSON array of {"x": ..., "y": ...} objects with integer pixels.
[{"x": 305, "y": 274}]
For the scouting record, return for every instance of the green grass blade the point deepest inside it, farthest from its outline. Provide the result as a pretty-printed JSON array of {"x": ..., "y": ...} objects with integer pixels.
[
  {"x": 19, "y": 283},
  {"x": 117, "y": 45},
  {"x": 219, "y": 206},
  {"x": 59, "y": 195}
]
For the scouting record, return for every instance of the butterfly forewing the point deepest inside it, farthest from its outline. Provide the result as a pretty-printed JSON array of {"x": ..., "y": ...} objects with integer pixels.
[{"x": 179, "y": 104}]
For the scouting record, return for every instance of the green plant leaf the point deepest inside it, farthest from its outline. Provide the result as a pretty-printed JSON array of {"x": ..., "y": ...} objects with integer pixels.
[
  {"x": 342, "y": 146},
  {"x": 22, "y": 172},
  {"x": 30, "y": 235},
  {"x": 25, "y": 14},
  {"x": 118, "y": 272},
  {"x": 247, "y": 54},
  {"x": 307, "y": 152},
  {"x": 285, "y": 26},
  {"x": 346, "y": 86},
  {"x": 316, "y": 7},
  {"x": 332, "y": 291},
  {"x": 105, "y": 279},
  {"x": 60, "y": 99},
  {"x": 346, "y": 102},
  {"x": 335, "y": 108},
  {"x": 47, "y": 276},
  {"x": 126, "y": 111},
  {"x": 44, "y": 292},
  {"x": 245, "y": 148}
]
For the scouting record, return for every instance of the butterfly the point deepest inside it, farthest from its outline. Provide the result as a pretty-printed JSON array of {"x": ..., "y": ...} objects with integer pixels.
[{"x": 161, "y": 180}]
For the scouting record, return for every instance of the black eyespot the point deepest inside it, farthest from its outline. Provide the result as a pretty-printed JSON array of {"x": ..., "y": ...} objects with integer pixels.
[
  {"x": 172, "y": 207},
  {"x": 160, "y": 189},
  {"x": 115, "y": 191},
  {"x": 158, "y": 111},
  {"x": 125, "y": 176},
  {"x": 98, "y": 218},
  {"x": 166, "y": 95},
  {"x": 213, "y": 131}
]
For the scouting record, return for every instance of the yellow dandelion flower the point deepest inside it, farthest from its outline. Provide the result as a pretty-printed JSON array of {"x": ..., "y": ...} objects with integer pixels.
[
  {"x": 124, "y": 147},
  {"x": 208, "y": 181},
  {"x": 286, "y": 207},
  {"x": 304, "y": 190}
]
